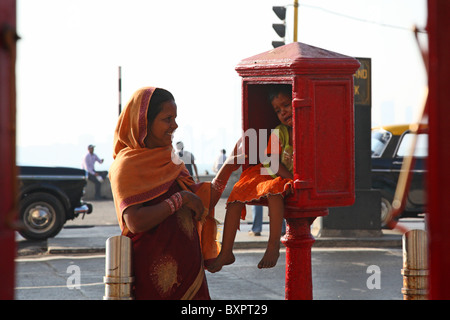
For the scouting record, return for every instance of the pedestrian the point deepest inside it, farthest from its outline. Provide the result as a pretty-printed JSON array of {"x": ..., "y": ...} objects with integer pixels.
[
  {"x": 257, "y": 221},
  {"x": 188, "y": 159},
  {"x": 219, "y": 160},
  {"x": 169, "y": 218},
  {"x": 256, "y": 188},
  {"x": 94, "y": 176}
]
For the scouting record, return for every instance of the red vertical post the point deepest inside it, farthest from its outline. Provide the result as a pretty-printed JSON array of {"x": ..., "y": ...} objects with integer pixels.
[
  {"x": 7, "y": 146},
  {"x": 298, "y": 241},
  {"x": 439, "y": 152}
]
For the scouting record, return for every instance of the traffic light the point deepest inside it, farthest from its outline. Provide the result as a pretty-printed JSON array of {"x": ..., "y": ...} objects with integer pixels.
[
  {"x": 280, "y": 28},
  {"x": 280, "y": 12},
  {"x": 277, "y": 44}
]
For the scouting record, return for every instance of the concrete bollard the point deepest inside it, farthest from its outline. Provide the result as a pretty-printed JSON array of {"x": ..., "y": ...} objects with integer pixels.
[
  {"x": 119, "y": 276},
  {"x": 415, "y": 265}
]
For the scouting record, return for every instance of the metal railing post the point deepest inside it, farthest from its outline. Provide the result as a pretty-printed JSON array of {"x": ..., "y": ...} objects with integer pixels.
[
  {"x": 119, "y": 276},
  {"x": 415, "y": 265}
]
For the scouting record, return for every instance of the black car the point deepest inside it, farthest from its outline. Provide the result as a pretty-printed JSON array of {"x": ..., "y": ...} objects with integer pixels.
[
  {"x": 48, "y": 197},
  {"x": 390, "y": 144}
]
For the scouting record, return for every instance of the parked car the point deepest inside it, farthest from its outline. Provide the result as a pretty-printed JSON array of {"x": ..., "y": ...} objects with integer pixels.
[
  {"x": 390, "y": 144},
  {"x": 48, "y": 197}
]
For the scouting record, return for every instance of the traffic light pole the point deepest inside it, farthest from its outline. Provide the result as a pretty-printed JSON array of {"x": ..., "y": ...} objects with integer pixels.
[{"x": 295, "y": 19}]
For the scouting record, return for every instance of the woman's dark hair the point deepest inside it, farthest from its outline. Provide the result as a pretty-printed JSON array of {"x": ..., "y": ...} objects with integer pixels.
[
  {"x": 155, "y": 105},
  {"x": 276, "y": 89}
]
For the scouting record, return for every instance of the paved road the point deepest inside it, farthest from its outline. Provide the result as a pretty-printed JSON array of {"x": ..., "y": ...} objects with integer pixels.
[{"x": 338, "y": 274}]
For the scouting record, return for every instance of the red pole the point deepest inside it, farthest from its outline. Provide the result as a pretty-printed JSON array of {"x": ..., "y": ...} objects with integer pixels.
[
  {"x": 439, "y": 152},
  {"x": 298, "y": 241},
  {"x": 7, "y": 146}
]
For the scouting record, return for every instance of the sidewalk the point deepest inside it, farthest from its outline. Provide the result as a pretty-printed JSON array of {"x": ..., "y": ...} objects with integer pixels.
[{"x": 89, "y": 235}]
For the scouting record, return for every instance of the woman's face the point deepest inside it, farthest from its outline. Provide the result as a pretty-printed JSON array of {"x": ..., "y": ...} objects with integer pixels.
[
  {"x": 282, "y": 105},
  {"x": 160, "y": 132}
]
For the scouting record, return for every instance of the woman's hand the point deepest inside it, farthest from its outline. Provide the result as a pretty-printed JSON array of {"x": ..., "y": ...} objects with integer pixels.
[
  {"x": 193, "y": 202},
  {"x": 138, "y": 219}
]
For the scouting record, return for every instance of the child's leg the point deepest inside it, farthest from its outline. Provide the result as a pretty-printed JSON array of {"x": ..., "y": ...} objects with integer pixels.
[
  {"x": 231, "y": 224},
  {"x": 276, "y": 214}
]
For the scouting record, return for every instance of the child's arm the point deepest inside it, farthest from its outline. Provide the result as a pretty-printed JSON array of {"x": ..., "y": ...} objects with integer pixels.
[
  {"x": 231, "y": 164},
  {"x": 274, "y": 148},
  {"x": 283, "y": 172}
]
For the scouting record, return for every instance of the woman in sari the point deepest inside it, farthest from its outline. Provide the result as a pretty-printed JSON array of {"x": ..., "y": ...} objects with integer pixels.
[{"x": 168, "y": 217}]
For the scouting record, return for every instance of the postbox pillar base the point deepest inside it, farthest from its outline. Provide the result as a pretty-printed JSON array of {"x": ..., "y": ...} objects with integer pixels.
[{"x": 298, "y": 241}]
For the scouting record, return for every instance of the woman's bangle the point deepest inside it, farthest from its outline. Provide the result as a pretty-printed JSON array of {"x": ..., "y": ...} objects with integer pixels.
[
  {"x": 175, "y": 202},
  {"x": 171, "y": 205},
  {"x": 218, "y": 185},
  {"x": 178, "y": 200}
]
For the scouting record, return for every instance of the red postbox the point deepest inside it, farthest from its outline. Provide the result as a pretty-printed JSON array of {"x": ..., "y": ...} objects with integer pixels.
[{"x": 323, "y": 139}]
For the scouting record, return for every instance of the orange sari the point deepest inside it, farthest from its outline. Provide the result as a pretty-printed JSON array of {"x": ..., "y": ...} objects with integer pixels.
[
  {"x": 168, "y": 259},
  {"x": 253, "y": 187}
]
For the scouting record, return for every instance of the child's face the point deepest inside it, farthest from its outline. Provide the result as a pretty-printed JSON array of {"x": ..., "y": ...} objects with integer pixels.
[{"x": 282, "y": 104}]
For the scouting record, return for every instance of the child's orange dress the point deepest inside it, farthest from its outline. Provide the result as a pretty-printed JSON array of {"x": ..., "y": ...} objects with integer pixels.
[{"x": 254, "y": 187}]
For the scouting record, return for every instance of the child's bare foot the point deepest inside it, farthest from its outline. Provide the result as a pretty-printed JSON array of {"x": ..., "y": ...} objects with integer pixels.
[
  {"x": 221, "y": 260},
  {"x": 270, "y": 258}
]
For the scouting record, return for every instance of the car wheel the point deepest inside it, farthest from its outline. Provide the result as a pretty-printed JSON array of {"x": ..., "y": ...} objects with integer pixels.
[
  {"x": 386, "y": 211},
  {"x": 43, "y": 216}
]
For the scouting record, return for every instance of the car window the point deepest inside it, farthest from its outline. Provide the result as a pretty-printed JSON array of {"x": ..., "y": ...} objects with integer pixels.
[
  {"x": 421, "y": 149},
  {"x": 380, "y": 139}
]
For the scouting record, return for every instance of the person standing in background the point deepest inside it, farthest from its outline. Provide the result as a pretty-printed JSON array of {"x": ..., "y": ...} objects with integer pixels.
[
  {"x": 188, "y": 159},
  {"x": 257, "y": 221},
  {"x": 220, "y": 160},
  {"x": 96, "y": 177}
]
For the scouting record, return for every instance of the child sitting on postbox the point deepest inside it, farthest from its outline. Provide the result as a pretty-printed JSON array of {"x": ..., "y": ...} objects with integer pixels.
[{"x": 263, "y": 183}]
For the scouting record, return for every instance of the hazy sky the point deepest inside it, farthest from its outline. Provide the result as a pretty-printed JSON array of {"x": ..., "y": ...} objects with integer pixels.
[{"x": 70, "y": 51}]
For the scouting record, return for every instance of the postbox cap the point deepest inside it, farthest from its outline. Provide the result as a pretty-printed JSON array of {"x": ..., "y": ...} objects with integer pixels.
[{"x": 298, "y": 58}]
